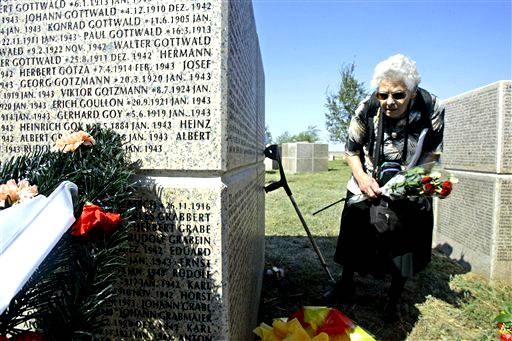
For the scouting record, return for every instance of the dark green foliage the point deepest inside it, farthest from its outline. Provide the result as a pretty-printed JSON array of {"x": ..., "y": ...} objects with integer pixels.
[
  {"x": 309, "y": 135},
  {"x": 342, "y": 105},
  {"x": 284, "y": 138},
  {"x": 67, "y": 296}
]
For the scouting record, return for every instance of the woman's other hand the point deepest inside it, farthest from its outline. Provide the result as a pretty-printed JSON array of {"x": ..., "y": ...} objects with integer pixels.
[{"x": 368, "y": 185}]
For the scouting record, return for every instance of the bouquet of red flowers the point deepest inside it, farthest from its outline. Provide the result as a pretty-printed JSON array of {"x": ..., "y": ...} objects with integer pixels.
[
  {"x": 504, "y": 320},
  {"x": 415, "y": 182}
]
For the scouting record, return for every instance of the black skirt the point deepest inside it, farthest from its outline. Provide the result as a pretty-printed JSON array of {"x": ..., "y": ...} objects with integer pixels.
[{"x": 407, "y": 250}]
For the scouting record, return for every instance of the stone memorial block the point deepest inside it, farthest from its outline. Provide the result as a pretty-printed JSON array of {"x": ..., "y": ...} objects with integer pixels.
[
  {"x": 483, "y": 142},
  {"x": 336, "y": 155},
  {"x": 182, "y": 81},
  {"x": 475, "y": 222},
  {"x": 271, "y": 165},
  {"x": 300, "y": 157}
]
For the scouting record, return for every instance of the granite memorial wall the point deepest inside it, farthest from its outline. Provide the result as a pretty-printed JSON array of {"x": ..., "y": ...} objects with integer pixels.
[
  {"x": 474, "y": 224},
  {"x": 182, "y": 81}
]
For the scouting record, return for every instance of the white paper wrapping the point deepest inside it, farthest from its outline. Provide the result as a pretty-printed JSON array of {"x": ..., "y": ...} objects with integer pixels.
[
  {"x": 31, "y": 232},
  {"x": 16, "y": 219}
]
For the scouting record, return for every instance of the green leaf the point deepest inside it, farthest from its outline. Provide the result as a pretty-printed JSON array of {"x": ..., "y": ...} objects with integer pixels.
[
  {"x": 503, "y": 317},
  {"x": 316, "y": 315}
]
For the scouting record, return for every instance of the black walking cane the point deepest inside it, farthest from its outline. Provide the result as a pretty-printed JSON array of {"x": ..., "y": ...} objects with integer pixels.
[
  {"x": 328, "y": 206},
  {"x": 272, "y": 153}
]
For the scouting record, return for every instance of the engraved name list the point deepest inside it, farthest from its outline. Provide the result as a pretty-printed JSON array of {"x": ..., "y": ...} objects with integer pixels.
[{"x": 145, "y": 68}]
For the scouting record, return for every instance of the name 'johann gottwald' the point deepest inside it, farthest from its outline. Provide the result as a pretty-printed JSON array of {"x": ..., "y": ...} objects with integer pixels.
[
  {"x": 80, "y": 19},
  {"x": 98, "y": 18}
]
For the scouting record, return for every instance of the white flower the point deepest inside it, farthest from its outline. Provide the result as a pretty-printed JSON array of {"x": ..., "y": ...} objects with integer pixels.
[
  {"x": 435, "y": 175},
  {"x": 453, "y": 179}
]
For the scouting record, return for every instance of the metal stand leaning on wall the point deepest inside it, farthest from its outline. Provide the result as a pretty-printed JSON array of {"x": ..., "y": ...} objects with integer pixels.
[{"x": 272, "y": 153}]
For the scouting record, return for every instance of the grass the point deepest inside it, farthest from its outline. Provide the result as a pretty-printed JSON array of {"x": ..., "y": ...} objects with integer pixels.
[
  {"x": 444, "y": 302},
  {"x": 312, "y": 191}
]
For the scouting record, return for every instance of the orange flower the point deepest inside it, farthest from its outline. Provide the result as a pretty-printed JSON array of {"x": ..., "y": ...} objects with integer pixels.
[
  {"x": 11, "y": 192},
  {"x": 8, "y": 193},
  {"x": 69, "y": 142},
  {"x": 26, "y": 191}
]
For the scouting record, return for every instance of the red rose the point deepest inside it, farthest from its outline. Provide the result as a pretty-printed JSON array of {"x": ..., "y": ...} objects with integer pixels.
[
  {"x": 25, "y": 336},
  {"x": 93, "y": 222},
  {"x": 446, "y": 189},
  {"x": 429, "y": 188},
  {"x": 426, "y": 180},
  {"x": 447, "y": 185},
  {"x": 506, "y": 337}
]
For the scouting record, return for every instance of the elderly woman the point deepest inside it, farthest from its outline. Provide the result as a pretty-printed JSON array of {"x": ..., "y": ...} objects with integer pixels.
[{"x": 383, "y": 137}]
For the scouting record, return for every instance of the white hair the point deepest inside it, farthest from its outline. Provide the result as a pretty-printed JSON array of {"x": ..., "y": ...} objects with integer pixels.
[{"x": 397, "y": 68}]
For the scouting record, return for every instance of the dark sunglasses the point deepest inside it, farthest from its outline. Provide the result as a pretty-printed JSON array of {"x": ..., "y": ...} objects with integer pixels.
[{"x": 395, "y": 95}]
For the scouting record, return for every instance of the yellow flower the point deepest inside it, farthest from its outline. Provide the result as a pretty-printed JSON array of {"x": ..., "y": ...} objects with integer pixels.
[{"x": 69, "y": 142}]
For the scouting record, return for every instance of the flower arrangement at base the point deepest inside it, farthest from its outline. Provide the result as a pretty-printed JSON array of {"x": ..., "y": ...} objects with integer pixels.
[
  {"x": 313, "y": 324},
  {"x": 504, "y": 321},
  {"x": 413, "y": 183},
  {"x": 68, "y": 294}
]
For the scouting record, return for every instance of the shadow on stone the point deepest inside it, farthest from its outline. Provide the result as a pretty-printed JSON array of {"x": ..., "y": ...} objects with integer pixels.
[
  {"x": 447, "y": 249},
  {"x": 305, "y": 282}
]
